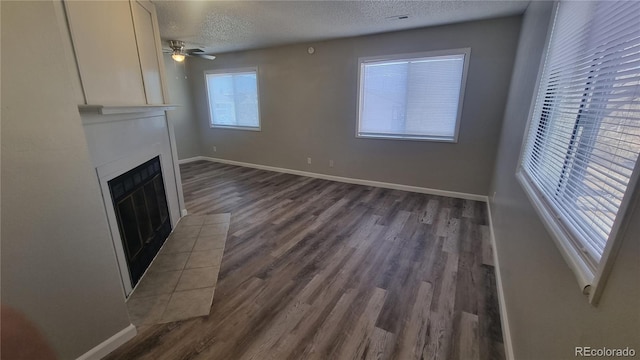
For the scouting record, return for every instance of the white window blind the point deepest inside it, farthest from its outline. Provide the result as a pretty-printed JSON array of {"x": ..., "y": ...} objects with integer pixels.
[
  {"x": 584, "y": 135},
  {"x": 233, "y": 99},
  {"x": 414, "y": 97}
]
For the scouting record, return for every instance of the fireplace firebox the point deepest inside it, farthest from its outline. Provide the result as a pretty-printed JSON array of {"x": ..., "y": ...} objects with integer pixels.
[{"x": 140, "y": 204}]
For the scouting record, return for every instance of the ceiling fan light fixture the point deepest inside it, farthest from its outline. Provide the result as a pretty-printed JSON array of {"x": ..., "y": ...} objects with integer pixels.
[{"x": 177, "y": 56}]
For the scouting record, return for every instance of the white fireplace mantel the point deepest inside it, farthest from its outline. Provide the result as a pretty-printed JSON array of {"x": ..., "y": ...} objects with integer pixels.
[
  {"x": 120, "y": 141},
  {"x": 124, "y": 109}
]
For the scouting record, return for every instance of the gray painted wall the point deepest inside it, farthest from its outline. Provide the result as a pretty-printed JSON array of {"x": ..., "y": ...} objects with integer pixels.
[
  {"x": 308, "y": 108},
  {"x": 58, "y": 263},
  {"x": 183, "y": 118},
  {"x": 548, "y": 315}
]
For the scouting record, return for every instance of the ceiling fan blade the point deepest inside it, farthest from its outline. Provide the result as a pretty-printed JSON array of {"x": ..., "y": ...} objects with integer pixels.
[{"x": 205, "y": 56}]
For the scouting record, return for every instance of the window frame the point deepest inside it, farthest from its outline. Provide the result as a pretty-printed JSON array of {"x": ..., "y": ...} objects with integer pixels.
[
  {"x": 591, "y": 281},
  {"x": 362, "y": 61},
  {"x": 231, "y": 72}
]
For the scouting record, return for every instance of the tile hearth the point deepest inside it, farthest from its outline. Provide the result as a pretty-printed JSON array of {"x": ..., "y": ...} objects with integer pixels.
[{"x": 182, "y": 278}]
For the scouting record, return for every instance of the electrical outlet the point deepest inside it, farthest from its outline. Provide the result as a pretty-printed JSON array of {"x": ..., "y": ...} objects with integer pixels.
[
  {"x": 215, "y": 149},
  {"x": 493, "y": 197},
  {"x": 309, "y": 160},
  {"x": 330, "y": 163}
]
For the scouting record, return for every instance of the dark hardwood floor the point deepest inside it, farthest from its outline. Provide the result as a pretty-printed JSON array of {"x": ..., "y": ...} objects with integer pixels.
[{"x": 315, "y": 269}]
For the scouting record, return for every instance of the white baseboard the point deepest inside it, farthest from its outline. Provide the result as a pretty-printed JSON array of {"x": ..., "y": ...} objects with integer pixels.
[
  {"x": 380, "y": 184},
  {"x": 508, "y": 345},
  {"x": 191, "y": 159},
  {"x": 103, "y": 349}
]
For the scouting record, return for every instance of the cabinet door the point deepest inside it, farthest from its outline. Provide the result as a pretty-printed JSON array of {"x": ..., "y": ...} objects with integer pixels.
[
  {"x": 143, "y": 14},
  {"x": 105, "y": 46}
]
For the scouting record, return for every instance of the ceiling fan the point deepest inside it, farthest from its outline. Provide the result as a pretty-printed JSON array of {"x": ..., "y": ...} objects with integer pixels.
[{"x": 178, "y": 51}]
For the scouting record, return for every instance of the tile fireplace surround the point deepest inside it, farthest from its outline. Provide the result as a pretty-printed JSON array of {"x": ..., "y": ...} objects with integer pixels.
[{"x": 181, "y": 280}]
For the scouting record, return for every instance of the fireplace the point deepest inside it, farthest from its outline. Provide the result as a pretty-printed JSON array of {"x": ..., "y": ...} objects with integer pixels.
[{"x": 141, "y": 211}]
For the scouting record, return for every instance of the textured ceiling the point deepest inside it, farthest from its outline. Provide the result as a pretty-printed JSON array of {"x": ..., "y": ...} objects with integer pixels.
[{"x": 223, "y": 26}]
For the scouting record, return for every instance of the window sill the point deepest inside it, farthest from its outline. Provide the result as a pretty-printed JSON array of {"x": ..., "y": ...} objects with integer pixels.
[
  {"x": 411, "y": 138},
  {"x": 583, "y": 272},
  {"x": 247, "y": 128}
]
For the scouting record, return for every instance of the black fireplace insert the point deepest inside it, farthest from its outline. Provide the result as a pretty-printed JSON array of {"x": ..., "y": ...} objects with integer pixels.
[{"x": 140, "y": 204}]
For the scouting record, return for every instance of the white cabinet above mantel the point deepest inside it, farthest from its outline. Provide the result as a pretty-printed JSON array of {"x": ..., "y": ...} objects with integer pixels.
[{"x": 117, "y": 64}]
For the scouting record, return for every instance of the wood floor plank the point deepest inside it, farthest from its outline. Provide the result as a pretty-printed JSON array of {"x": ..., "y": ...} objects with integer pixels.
[
  {"x": 452, "y": 236},
  {"x": 487, "y": 251},
  {"x": 381, "y": 345},
  {"x": 488, "y": 318},
  {"x": 443, "y": 221},
  {"x": 468, "y": 209},
  {"x": 396, "y": 224},
  {"x": 415, "y": 334},
  {"x": 468, "y": 234},
  {"x": 318, "y": 347},
  {"x": 363, "y": 232},
  {"x": 442, "y": 313},
  {"x": 468, "y": 278},
  {"x": 430, "y": 212},
  {"x": 315, "y": 269},
  {"x": 400, "y": 276},
  {"x": 358, "y": 338},
  {"x": 280, "y": 327},
  {"x": 468, "y": 340}
]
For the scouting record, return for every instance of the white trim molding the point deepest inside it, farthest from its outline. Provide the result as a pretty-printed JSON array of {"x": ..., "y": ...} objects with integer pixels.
[
  {"x": 386, "y": 185},
  {"x": 104, "y": 348},
  {"x": 192, "y": 159},
  {"x": 506, "y": 332},
  {"x": 124, "y": 109}
]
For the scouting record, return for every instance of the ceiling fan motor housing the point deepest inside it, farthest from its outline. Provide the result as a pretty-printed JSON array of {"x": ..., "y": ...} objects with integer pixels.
[{"x": 176, "y": 45}]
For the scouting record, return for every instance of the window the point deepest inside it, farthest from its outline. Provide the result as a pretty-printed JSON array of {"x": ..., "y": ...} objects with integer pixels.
[
  {"x": 580, "y": 154},
  {"x": 415, "y": 96},
  {"x": 233, "y": 99}
]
